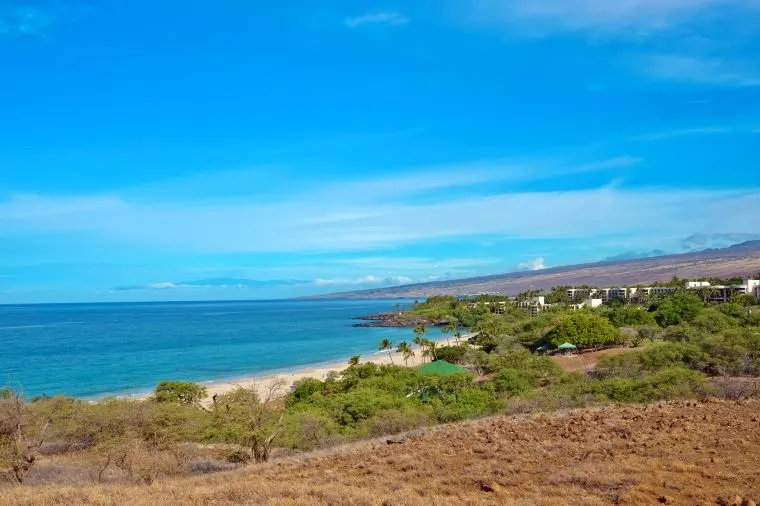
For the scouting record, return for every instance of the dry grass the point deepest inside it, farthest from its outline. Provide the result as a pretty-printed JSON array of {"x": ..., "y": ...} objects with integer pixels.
[{"x": 674, "y": 453}]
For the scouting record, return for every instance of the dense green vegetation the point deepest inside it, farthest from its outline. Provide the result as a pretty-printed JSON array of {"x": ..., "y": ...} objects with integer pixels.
[{"x": 690, "y": 350}]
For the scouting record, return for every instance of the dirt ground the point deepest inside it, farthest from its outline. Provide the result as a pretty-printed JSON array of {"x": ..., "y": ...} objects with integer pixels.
[
  {"x": 587, "y": 361},
  {"x": 669, "y": 453}
]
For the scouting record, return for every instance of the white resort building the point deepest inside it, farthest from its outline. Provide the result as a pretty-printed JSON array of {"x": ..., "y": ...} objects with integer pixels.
[{"x": 595, "y": 297}]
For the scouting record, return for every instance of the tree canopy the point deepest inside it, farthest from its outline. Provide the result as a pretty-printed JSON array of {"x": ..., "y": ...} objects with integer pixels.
[
  {"x": 681, "y": 307},
  {"x": 584, "y": 330}
]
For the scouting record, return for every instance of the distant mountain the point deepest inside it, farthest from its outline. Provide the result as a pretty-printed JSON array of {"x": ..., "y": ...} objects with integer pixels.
[{"x": 739, "y": 260}]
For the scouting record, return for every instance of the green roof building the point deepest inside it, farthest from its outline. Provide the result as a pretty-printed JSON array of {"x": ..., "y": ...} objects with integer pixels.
[{"x": 442, "y": 368}]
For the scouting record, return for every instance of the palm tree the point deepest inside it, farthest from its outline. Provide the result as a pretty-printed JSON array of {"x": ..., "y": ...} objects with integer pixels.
[
  {"x": 407, "y": 352},
  {"x": 451, "y": 327},
  {"x": 457, "y": 337},
  {"x": 425, "y": 353},
  {"x": 353, "y": 361},
  {"x": 432, "y": 345},
  {"x": 387, "y": 345},
  {"x": 419, "y": 341},
  {"x": 420, "y": 329}
]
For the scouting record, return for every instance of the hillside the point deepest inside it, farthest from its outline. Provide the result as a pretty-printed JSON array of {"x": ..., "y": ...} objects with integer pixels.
[
  {"x": 667, "y": 453},
  {"x": 740, "y": 260}
]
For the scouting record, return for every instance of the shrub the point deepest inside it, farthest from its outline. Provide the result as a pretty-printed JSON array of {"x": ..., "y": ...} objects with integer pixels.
[
  {"x": 712, "y": 320},
  {"x": 303, "y": 390},
  {"x": 537, "y": 370},
  {"x": 308, "y": 430},
  {"x": 667, "y": 384},
  {"x": 679, "y": 308},
  {"x": 509, "y": 383},
  {"x": 653, "y": 359},
  {"x": 398, "y": 420},
  {"x": 179, "y": 392},
  {"x": 464, "y": 404},
  {"x": 628, "y": 316},
  {"x": 453, "y": 354}
]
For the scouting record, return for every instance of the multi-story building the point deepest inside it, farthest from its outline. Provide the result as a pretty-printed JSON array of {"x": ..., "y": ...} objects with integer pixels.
[
  {"x": 580, "y": 293},
  {"x": 710, "y": 293},
  {"x": 722, "y": 294},
  {"x": 534, "y": 305},
  {"x": 610, "y": 294}
]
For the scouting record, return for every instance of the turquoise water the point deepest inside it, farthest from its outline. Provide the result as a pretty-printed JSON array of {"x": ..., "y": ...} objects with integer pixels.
[{"x": 91, "y": 350}]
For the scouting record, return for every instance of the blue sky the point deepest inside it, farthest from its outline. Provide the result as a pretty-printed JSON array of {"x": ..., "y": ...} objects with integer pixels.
[{"x": 230, "y": 149}]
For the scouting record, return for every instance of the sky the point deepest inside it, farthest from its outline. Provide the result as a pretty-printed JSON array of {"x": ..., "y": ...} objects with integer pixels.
[{"x": 241, "y": 150}]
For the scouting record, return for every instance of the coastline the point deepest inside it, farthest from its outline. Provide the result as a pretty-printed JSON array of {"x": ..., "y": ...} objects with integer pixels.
[{"x": 278, "y": 384}]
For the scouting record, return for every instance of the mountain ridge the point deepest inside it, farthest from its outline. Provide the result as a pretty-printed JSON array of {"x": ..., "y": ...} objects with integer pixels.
[{"x": 738, "y": 260}]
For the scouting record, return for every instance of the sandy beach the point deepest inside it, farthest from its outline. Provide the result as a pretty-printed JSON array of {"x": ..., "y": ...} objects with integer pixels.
[{"x": 274, "y": 386}]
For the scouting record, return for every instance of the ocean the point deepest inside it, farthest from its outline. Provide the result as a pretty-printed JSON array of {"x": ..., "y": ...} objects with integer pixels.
[{"x": 95, "y": 350}]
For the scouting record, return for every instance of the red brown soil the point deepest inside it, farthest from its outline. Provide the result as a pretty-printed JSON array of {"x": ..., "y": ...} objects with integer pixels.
[{"x": 672, "y": 453}]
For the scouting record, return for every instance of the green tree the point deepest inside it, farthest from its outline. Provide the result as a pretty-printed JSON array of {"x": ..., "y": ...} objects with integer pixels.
[
  {"x": 419, "y": 331},
  {"x": 179, "y": 392},
  {"x": 558, "y": 295},
  {"x": 453, "y": 354},
  {"x": 744, "y": 300},
  {"x": 419, "y": 341},
  {"x": 451, "y": 327},
  {"x": 679, "y": 308},
  {"x": 509, "y": 383},
  {"x": 628, "y": 316},
  {"x": 241, "y": 417},
  {"x": 406, "y": 352},
  {"x": 584, "y": 330},
  {"x": 385, "y": 344},
  {"x": 354, "y": 361},
  {"x": 492, "y": 326}
]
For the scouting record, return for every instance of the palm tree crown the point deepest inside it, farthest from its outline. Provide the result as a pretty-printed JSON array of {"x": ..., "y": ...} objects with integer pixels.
[{"x": 385, "y": 344}]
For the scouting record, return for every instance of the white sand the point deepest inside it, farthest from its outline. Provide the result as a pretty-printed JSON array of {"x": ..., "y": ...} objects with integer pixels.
[{"x": 278, "y": 385}]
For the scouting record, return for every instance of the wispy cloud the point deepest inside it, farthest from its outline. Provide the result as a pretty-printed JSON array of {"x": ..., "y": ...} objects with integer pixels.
[
  {"x": 364, "y": 281},
  {"x": 351, "y": 217},
  {"x": 700, "y": 70},
  {"x": 687, "y": 132},
  {"x": 391, "y": 18},
  {"x": 211, "y": 283},
  {"x": 624, "y": 17},
  {"x": 25, "y": 20}
]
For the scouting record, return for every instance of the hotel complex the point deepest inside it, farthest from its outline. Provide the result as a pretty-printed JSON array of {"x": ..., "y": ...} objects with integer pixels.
[{"x": 595, "y": 297}]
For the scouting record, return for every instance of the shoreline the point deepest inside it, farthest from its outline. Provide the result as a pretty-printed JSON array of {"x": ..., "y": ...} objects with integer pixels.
[{"x": 278, "y": 384}]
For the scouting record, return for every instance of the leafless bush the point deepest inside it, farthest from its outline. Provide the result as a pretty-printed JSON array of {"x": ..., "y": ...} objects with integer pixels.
[
  {"x": 737, "y": 389},
  {"x": 210, "y": 466}
]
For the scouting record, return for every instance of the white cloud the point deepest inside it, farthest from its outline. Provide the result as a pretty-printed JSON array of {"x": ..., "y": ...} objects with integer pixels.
[
  {"x": 633, "y": 17},
  {"x": 537, "y": 264},
  {"x": 392, "y": 18},
  {"x": 162, "y": 286},
  {"x": 700, "y": 70}
]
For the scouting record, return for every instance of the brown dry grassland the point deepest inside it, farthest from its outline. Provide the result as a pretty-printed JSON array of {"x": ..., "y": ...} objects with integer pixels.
[{"x": 668, "y": 453}]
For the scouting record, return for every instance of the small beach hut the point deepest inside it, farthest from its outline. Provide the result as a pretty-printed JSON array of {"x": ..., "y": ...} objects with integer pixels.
[
  {"x": 543, "y": 349},
  {"x": 567, "y": 348},
  {"x": 442, "y": 368}
]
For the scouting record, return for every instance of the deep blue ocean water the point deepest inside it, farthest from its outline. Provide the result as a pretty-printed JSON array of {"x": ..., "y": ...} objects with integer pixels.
[{"x": 92, "y": 350}]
